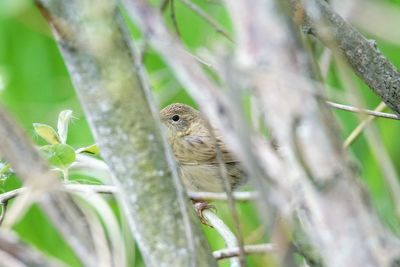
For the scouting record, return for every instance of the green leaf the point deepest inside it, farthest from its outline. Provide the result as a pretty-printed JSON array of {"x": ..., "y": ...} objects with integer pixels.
[
  {"x": 59, "y": 155},
  {"x": 93, "y": 149},
  {"x": 47, "y": 133},
  {"x": 62, "y": 125}
]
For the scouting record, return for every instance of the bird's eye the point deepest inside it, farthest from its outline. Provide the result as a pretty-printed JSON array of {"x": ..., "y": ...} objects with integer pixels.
[{"x": 175, "y": 118}]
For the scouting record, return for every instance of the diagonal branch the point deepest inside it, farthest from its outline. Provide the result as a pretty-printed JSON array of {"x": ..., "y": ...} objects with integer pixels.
[
  {"x": 12, "y": 250},
  {"x": 210, "y": 20},
  {"x": 361, "y": 54}
]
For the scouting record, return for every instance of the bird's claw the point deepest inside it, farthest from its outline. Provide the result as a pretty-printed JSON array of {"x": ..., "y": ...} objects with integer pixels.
[{"x": 200, "y": 207}]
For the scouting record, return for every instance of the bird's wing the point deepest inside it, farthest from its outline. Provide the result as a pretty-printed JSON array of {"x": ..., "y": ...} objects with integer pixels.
[{"x": 204, "y": 150}]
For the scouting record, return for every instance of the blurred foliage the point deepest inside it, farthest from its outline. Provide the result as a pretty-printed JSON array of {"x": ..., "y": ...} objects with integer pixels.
[{"x": 35, "y": 87}]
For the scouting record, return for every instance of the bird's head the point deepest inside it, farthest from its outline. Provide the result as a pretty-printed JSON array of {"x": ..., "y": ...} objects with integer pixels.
[{"x": 179, "y": 118}]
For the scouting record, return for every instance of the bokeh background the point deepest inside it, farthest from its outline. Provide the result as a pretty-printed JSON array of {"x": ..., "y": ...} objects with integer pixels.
[{"x": 35, "y": 87}]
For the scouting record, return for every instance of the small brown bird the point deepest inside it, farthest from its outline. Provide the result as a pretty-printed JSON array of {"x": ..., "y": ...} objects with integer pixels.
[{"x": 195, "y": 151}]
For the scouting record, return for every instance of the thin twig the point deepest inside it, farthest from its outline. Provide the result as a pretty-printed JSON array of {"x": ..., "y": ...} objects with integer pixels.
[
  {"x": 200, "y": 60},
  {"x": 101, "y": 189},
  {"x": 210, "y": 20},
  {"x": 238, "y": 196},
  {"x": 173, "y": 18},
  {"x": 360, "y": 127},
  {"x": 248, "y": 249},
  {"x": 375, "y": 113},
  {"x": 163, "y": 5},
  {"x": 109, "y": 189}
]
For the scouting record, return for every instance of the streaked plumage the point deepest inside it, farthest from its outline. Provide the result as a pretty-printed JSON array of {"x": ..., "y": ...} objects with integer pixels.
[{"x": 195, "y": 151}]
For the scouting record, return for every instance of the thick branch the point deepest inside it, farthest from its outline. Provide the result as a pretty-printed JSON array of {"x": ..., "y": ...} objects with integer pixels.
[
  {"x": 334, "y": 211},
  {"x": 97, "y": 51},
  {"x": 362, "y": 54}
]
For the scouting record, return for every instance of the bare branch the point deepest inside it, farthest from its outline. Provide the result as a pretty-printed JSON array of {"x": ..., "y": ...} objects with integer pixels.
[
  {"x": 375, "y": 113},
  {"x": 364, "y": 123},
  {"x": 173, "y": 18},
  {"x": 110, "y": 189},
  {"x": 210, "y": 20},
  {"x": 237, "y": 196},
  {"x": 248, "y": 249},
  {"x": 163, "y": 5},
  {"x": 362, "y": 54},
  {"x": 13, "y": 250}
]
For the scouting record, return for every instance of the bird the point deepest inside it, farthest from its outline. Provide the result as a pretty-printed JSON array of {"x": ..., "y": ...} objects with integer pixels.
[{"x": 194, "y": 144}]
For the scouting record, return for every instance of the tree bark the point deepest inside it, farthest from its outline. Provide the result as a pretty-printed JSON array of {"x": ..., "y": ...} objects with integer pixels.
[
  {"x": 96, "y": 47},
  {"x": 361, "y": 54}
]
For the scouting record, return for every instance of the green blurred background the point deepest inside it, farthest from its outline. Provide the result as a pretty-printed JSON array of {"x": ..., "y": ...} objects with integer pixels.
[{"x": 35, "y": 87}]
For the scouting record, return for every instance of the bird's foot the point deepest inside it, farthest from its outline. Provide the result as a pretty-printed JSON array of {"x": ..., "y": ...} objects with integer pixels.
[{"x": 200, "y": 207}]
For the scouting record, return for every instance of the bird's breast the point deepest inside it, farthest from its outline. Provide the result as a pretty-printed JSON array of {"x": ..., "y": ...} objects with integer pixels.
[
  {"x": 192, "y": 150},
  {"x": 203, "y": 177}
]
